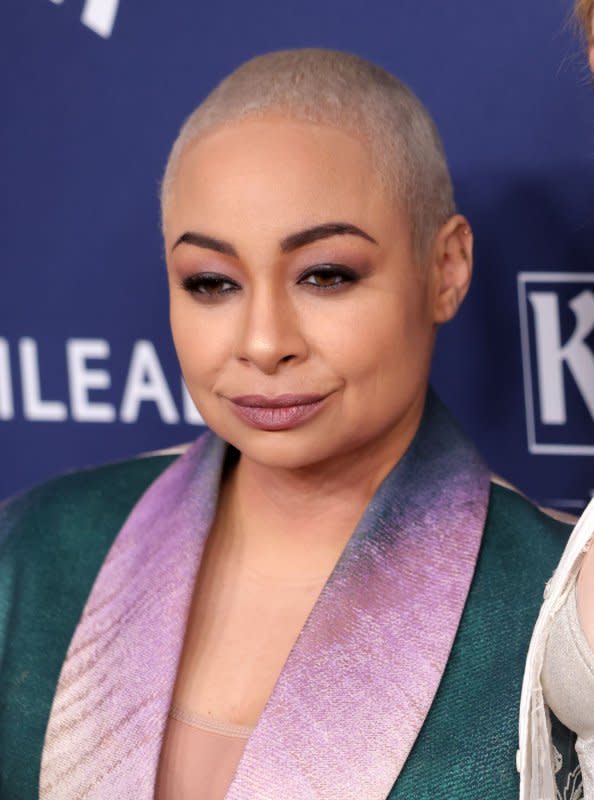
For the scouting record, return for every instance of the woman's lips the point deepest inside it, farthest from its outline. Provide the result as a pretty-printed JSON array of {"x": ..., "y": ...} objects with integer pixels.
[{"x": 278, "y": 413}]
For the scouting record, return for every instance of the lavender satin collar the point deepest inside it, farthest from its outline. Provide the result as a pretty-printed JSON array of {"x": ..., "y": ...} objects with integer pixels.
[{"x": 359, "y": 682}]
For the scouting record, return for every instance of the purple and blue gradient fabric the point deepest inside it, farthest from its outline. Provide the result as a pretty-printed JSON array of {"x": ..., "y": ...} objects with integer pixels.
[{"x": 361, "y": 677}]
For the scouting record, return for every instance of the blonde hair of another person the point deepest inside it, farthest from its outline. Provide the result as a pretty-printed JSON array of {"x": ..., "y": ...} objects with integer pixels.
[
  {"x": 583, "y": 12},
  {"x": 345, "y": 91}
]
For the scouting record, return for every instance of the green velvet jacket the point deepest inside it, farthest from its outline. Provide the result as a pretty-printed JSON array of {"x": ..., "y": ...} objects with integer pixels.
[{"x": 54, "y": 538}]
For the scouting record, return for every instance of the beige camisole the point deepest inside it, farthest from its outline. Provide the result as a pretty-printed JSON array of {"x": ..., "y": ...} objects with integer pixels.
[
  {"x": 568, "y": 684},
  {"x": 199, "y": 757}
]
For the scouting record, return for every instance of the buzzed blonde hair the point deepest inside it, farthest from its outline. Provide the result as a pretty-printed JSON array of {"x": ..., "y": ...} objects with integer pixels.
[{"x": 350, "y": 93}]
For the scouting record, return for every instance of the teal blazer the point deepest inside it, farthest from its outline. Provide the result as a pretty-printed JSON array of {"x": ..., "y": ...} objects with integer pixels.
[{"x": 54, "y": 540}]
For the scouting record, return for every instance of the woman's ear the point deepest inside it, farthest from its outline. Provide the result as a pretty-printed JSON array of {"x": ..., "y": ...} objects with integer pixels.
[{"x": 451, "y": 267}]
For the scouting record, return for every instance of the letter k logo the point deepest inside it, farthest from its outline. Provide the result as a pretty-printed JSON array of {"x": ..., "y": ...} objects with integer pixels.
[{"x": 552, "y": 355}]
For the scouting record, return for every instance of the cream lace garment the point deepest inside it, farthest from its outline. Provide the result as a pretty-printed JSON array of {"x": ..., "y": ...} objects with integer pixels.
[{"x": 535, "y": 756}]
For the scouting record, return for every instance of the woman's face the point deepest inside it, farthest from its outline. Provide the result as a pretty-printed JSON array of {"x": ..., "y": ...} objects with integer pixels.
[{"x": 291, "y": 272}]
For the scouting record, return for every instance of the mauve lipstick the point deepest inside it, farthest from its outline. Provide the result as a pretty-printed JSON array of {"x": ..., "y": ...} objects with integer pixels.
[{"x": 276, "y": 413}]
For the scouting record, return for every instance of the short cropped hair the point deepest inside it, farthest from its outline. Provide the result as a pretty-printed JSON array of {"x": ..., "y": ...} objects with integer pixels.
[{"x": 350, "y": 93}]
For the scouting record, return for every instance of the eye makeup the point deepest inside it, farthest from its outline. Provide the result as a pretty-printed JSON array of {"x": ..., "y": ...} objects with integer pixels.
[
  {"x": 332, "y": 277},
  {"x": 319, "y": 278},
  {"x": 209, "y": 284}
]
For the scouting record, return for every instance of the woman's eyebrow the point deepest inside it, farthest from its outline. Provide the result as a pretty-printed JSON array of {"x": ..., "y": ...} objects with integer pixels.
[
  {"x": 287, "y": 245},
  {"x": 296, "y": 240},
  {"x": 208, "y": 242}
]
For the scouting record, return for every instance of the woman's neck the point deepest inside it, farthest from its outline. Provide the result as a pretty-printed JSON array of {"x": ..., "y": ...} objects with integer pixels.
[{"x": 285, "y": 522}]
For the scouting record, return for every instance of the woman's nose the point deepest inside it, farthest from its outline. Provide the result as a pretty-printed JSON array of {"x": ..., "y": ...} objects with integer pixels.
[{"x": 270, "y": 331}]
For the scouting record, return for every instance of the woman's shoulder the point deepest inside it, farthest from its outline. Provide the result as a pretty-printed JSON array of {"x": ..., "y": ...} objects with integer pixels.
[
  {"x": 53, "y": 540},
  {"x": 510, "y": 503},
  {"x": 70, "y": 506},
  {"x": 69, "y": 522},
  {"x": 524, "y": 531}
]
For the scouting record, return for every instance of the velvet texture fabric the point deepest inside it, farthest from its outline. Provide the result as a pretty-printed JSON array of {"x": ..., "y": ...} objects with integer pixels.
[{"x": 357, "y": 692}]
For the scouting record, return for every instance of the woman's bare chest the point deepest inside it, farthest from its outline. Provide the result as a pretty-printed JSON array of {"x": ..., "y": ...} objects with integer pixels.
[{"x": 241, "y": 628}]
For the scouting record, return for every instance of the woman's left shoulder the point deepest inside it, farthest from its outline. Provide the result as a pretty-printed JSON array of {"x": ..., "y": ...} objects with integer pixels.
[{"x": 524, "y": 530}]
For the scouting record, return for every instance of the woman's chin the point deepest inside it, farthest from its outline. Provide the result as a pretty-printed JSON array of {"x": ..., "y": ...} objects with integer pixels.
[{"x": 283, "y": 450}]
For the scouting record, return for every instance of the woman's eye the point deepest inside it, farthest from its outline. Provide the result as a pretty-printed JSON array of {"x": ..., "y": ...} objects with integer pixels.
[
  {"x": 209, "y": 285},
  {"x": 328, "y": 277}
]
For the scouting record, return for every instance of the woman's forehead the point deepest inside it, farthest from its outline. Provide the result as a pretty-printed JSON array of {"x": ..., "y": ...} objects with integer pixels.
[
  {"x": 266, "y": 138},
  {"x": 262, "y": 162}
]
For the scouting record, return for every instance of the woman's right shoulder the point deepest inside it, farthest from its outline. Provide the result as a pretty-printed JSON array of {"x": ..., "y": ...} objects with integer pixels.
[
  {"x": 53, "y": 541},
  {"x": 75, "y": 512}
]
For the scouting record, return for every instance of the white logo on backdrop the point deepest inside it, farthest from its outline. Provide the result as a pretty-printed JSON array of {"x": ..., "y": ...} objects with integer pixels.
[
  {"x": 98, "y": 15},
  {"x": 556, "y": 361},
  {"x": 145, "y": 383}
]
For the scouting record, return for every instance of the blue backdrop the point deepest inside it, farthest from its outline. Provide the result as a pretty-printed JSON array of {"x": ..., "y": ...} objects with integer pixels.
[{"x": 93, "y": 94}]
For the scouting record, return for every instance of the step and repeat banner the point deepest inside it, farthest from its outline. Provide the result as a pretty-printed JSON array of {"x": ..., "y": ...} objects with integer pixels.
[{"x": 93, "y": 94}]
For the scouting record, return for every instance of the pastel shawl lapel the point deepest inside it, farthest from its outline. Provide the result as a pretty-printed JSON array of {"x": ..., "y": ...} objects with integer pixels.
[{"x": 358, "y": 683}]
